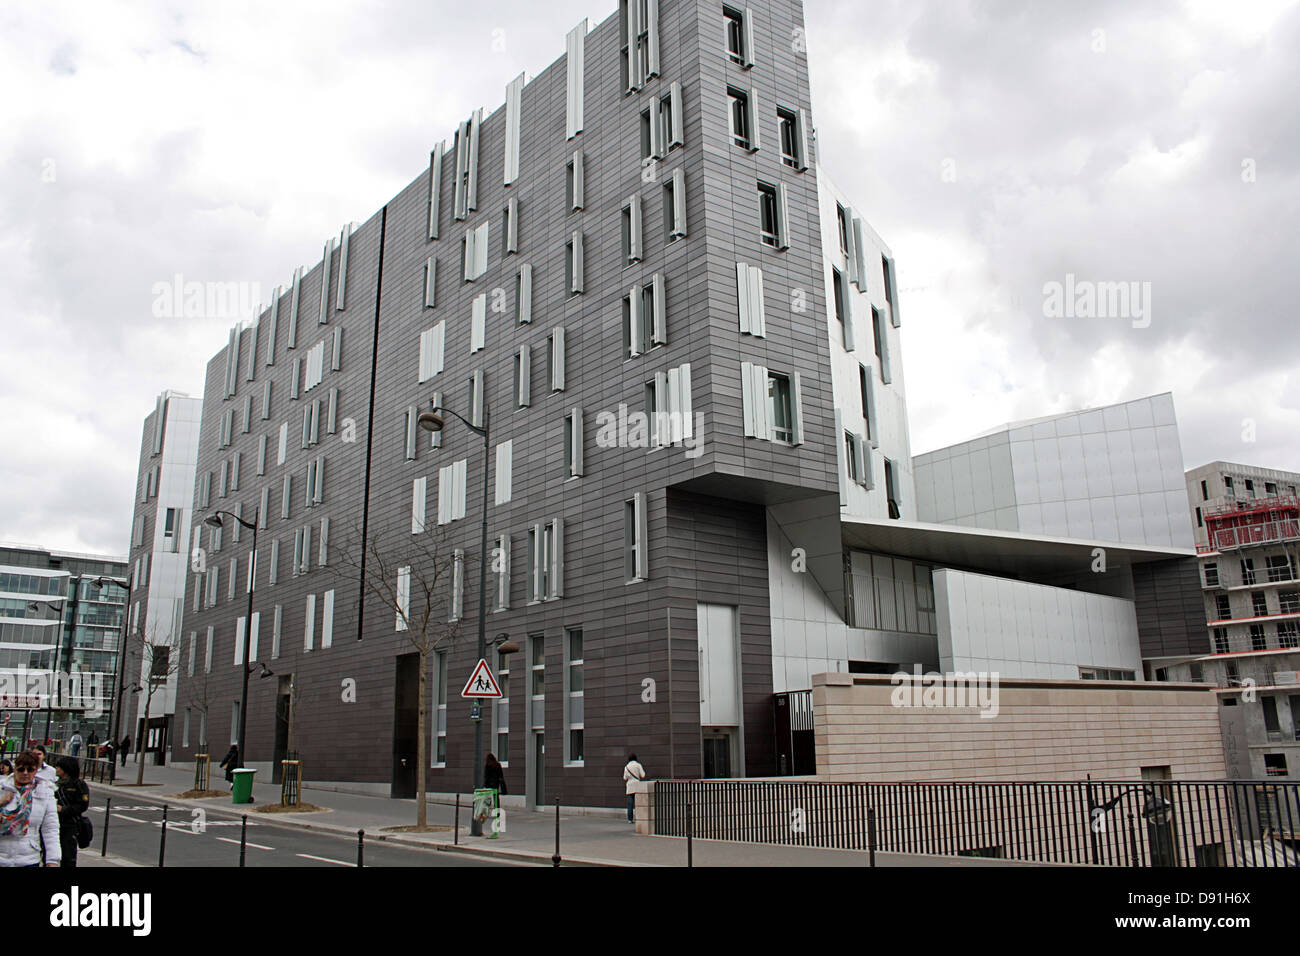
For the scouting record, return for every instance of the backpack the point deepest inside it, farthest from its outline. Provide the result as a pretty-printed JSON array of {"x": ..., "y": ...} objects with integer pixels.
[{"x": 85, "y": 831}]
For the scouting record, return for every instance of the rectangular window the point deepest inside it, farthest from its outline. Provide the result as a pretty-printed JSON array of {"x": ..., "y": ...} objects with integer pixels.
[
  {"x": 430, "y": 283},
  {"x": 749, "y": 296},
  {"x": 739, "y": 36},
  {"x": 1205, "y": 492},
  {"x": 440, "y": 709},
  {"x": 475, "y": 246},
  {"x": 573, "y": 183},
  {"x": 1288, "y": 602},
  {"x": 791, "y": 138},
  {"x": 631, "y": 228},
  {"x": 891, "y": 289},
  {"x": 523, "y": 365},
  {"x": 511, "y": 225},
  {"x": 419, "y": 496},
  {"x": 778, "y": 394},
  {"x": 1250, "y": 488},
  {"x": 573, "y": 280},
  {"x": 1247, "y": 570},
  {"x": 266, "y": 400},
  {"x": 1270, "y": 487},
  {"x": 524, "y": 294},
  {"x": 451, "y": 492},
  {"x": 1257, "y": 641},
  {"x": 1227, "y": 484},
  {"x": 740, "y": 113},
  {"x": 1212, "y": 575},
  {"x": 432, "y": 351},
  {"x": 457, "y": 602},
  {"x": 891, "y": 489},
  {"x": 537, "y": 680},
  {"x": 770, "y": 402},
  {"x": 1223, "y": 607},
  {"x": 573, "y": 453},
  {"x": 767, "y": 214},
  {"x": 403, "y": 598},
  {"x": 868, "y": 403},
  {"x": 1278, "y": 568},
  {"x": 634, "y": 539},
  {"x": 1221, "y": 640},
  {"x": 573, "y": 696},
  {"x": 675, "y": 206},
  {"x": 501, "y": 711},
  {"x": 1288, "y": 635},
  {"x": 843, "y": 308},
  {"x": 671, "y": 126},
  {"x": 1259, "y": 604}
]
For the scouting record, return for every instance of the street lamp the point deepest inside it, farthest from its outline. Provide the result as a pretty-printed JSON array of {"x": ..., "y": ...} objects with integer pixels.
[
  {"x": 214, "y": 521},
  {"x": 34, "y": 604},
  {"x": 124, "y": 583},
  {"x": 433, "y": 421}
]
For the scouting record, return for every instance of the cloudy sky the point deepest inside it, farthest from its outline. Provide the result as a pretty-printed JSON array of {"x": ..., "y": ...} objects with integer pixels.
[{"x": 996, "y": 146}]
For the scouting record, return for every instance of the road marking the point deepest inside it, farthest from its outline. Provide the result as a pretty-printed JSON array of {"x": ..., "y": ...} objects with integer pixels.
[
  {"x": 123, "y": 816},
  {"x": 323, "y": 859},
  {"x": 257, "y": 846}
]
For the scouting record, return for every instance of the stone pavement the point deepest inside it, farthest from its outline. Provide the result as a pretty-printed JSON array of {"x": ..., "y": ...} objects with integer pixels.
[{"x": 594, "y": 838}]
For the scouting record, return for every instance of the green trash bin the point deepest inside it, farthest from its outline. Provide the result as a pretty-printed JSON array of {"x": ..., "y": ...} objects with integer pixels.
[{"x": 242, "y": 791}]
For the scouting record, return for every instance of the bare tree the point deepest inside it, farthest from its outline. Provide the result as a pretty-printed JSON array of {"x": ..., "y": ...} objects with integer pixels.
[
  {"x": 159, "y": 658},
  {"x": 411, "y": 576}
]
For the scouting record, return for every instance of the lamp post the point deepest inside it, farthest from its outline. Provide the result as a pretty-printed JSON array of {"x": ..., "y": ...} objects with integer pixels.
[
  {"x": 34, "y": 604},
  {"x": 432, "y": 421},
  {"x": 214, "y": 521},
  {"x": 124, "y": 583}
]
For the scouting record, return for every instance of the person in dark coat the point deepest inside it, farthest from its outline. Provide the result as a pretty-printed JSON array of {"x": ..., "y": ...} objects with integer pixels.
[
  {"x": 231, "y": 762},
  {"x": 494, "y": 775},
  {"x": 125, "y": 748},
  {"x": 73, "y": 799}
]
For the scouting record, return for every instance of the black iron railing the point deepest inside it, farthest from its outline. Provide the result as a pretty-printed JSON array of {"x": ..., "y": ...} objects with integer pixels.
[
  {"x": 97, "y": 769},
  {"x": 1107, "y": 823}
]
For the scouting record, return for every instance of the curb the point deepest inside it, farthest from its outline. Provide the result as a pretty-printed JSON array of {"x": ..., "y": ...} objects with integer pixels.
[{"x": 525, "y": 856}]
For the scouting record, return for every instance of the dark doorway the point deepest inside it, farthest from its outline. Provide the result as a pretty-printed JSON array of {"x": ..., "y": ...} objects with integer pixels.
[
  {"x": 281, "y": 731},
  {"x": 539, "y": 769},
  {"x": 406, "y": 725},
  {"x": 717, "y": 754}
]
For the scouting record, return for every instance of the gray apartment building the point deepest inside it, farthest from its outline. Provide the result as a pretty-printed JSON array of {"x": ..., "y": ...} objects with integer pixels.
[{"x": 637, "y": 230}]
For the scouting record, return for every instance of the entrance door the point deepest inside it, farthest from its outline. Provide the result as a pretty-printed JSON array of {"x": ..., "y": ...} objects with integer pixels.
[
  {"x": 539, "y": 769},
  {"x": 406, "y": 725},
  {"x": 281, "y": 733},
  {"x": 717, "y": 752}
]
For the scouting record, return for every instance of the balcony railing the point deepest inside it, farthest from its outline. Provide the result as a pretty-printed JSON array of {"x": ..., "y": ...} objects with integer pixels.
[{"x": 1264, "y": 532}]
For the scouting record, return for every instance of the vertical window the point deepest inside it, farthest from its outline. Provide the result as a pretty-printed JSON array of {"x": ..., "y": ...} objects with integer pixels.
[
  {"x": 501, "y": 567},
  {"x": 648, "y": 133},
  {"x": 510, "y": 227},
  {"x": 403, "y": 598},
  {"x": 780, "y": 409},
  {"x": 522, "y": 376},
  {"x": 891, "y": 289},
  {"x": 440, "y": 712},
  {"x": 1247, "y": 570},
  {"x": 476, "y": 398},
  {"x": 868, "y": 400},
  {"x": 573, "y": 452},
  {"x": 851, "y": 455},
  {"x": 573, "y": 281},
  {"x": 1223, "y": 607},
  {"x": 501, "y": 710},
  {"x": 675, "y": 206},
  {"x": 524, "y": 294},
  {"x": 573, "y": 183},
  {"x": 537, "y": 677},
  {"x": 1257, "y": 642},
  {"x": 1205, "y": 492},
  {"x": 556, "y": 351},
  {"x": 881, "y": 345},
  {"x": 791, "y": 138},
  {"x": 767, "y": 214},
  {"x": 739, "y": 114},
  {"x": 891, "y": 489},
  {"x": 573, "y": 696},
  {"x": 457, "y": 584},
  {"x": 631, "y": 229},
  {"x": 739, "y": 36},
  {"x": 1212, "y": 574},
  {"x": 634, "y": 539}
]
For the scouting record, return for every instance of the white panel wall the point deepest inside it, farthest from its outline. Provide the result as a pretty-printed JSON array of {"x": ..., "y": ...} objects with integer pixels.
[
  {"x": 719, "y": 666},
  {"x": 810, "y": 637},
  {"x": 1106, "y": 474},
  {"x": 1030, "y": 630}
]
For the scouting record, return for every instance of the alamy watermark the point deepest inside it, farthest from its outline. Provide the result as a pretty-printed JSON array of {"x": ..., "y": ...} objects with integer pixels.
[
  {"x": 34, "y": 689},
  {"x": 1085, "y": 299},
  {"x": 977, "y": 689},
  {"x": 179, "y": 299}
]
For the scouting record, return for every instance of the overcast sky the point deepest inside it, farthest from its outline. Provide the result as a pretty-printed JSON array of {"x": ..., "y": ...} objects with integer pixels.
[{"x": 996, "y": 146}]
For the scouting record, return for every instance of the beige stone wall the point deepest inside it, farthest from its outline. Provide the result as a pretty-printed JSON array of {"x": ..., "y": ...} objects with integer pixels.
[{"x": 1044, "y": 730}]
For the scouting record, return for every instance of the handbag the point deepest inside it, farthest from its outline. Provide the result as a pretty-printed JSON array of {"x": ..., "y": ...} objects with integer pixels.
[{"x": 85, "y": 831}]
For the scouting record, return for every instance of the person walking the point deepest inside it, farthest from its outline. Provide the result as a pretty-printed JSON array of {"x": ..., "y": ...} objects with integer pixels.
[
  {"x": 75, "y": 743},
  {"x": 633, "y": 773},
  {"x": 125, "y": 748},
  {"x": 6, "y": 767},
  {"x": 494, "y": 775},
  {"x": 28, "y": 818},
  {"x": 44, "y": 772},
  {"x": 91, "y": 742},
  {"x": 73, "y": 799},
  {"x": 231, "y": 762}
]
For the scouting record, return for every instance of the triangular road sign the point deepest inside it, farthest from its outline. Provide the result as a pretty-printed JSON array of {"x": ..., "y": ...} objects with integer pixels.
[{"x": 481, "y": 683}]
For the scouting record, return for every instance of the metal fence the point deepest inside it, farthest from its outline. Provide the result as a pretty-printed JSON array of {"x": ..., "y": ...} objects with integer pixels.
[
  {"x": 1108, "y": 823},
  {"x": 97, "y": 769}
]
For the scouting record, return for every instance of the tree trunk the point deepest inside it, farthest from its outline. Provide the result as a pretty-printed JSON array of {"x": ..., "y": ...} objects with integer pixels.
[
  {"x": 421, "y": 746},
  {"x": 143, "y": 737}
]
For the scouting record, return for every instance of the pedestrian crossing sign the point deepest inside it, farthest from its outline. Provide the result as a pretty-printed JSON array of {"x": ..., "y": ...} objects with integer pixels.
[{"x": 481, "y": 683}]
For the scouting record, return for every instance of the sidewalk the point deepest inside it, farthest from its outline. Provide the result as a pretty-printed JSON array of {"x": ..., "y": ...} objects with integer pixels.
[{"x": 585, "y": 839}]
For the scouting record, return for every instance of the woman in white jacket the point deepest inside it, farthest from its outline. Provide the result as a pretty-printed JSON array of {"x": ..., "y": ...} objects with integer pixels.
[{"x": 28, "y": 817}]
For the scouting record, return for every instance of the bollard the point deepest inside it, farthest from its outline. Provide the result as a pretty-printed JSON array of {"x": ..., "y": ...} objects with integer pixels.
[
  {"x": 689, "y": 848},
  {"x": 871, "y": 833},
  {"x": 162, "y": 840},
  {"x": 108, "y": 810},
  {"x": 243, "y": 837},
  {"x": 361, "y": 848},
  {"x": 555, "y": 859},
  {"x": 455, "y": 837}
]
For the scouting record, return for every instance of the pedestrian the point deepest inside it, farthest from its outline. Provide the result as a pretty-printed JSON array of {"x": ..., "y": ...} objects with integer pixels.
[
  {"x": 75, "y": 743},
  {"x": 28, "y": 818},
  {"x": 231, "y": 762},
  {"x": 73, "y": 799},
  {"x": 93, "y": 739},
  {"x": 125, "y": 748},
  {"x": 6, "y": 767},
  {"x": 494, "y": 775},
  {"x": 108, "y": 752},
  {"x": 632, "y": 773},
  {"x": 44, "y": 772}
]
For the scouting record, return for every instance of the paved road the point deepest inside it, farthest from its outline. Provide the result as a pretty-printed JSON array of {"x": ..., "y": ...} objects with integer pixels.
[{"x": 135, "y": 830}]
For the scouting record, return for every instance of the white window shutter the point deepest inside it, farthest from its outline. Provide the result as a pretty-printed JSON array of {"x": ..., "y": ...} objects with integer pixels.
[
  {"x": 677, "y": 134},
  {"x": 796, "y": 409},
  {"x": 286, "y": 496},
  {"x": 477, "y": 410},
  {"x": 426, "y": 345},
  {"x": 435, "y": 438},
  {"x": 747, "y": 399},
  {"x": 557, "y": 556},
  {"x": 749, "y": 37},
  {"x": 430, "y": 282},
  {"x": 782, "y": 217},
  {"x": 403, "y": 597},
  {"x": 659, "y": 326},
  {"x": 659, "y": 427},
  {"x": 577, "y": 180},
  {"x": 323, "y": 549},
  {"x": 525, "y": 293},
  {"x": 538, "y": 557},
  {"x": 462, "y": 470},
  {"x": 755, "y": 119},
  {"x": 803, "y": 139},
  {"x": 325, "y": 282},
  {"x": 341, "y": 290},
  {"x": 674, "y": 406},
  {"x": 575, "y": 442},
  {"x": 481, "y": 249},
  {"x": 685, "y": 408},
  {"x": 742, "y": 303},
  {"x": 327, "y": 620},
  {"x": 412, "y": 419},
  {"x": 577, "y": 262},
  {"x": 679, "y": 202},
  {"x": 419, "y": 498},
  {"x": 514, "y": 91},
  {"x": 658, "y": 148},
  {"x": 574, "y": 66},
  {"x": 435, "y": 189},
  {"x": 860, "y": 251},
  {"x": 295, "y": 296},
  {"x": 505, "y": 471},
  {"x": 477, "y": 323},
  {"x": 525, "y": 376},
  {"x": 512, "y": 225},
  {"x": 634, "y": 204},
  {"x": 840, "y": 458},
  {"x": 306, "y": 549},
  {"x": 462, "y": 161},
  {"x": 503, "y": 575},
  {"x": 894, "y": 317},
  {"x": 757, "y": 314},
  {"x": 471, "y": 193},
  {"x": 274, "y": 322},
  {"x": 319, "y": 494},
  {"x": 652, "y": 37},
  {"x": 557, "y": 359},
  {"x": 239, "y": 640},
  {"x": 634, "y": 321},
  {"x": 851, "y": 259},
  {"x": 469, "y": 254}
]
